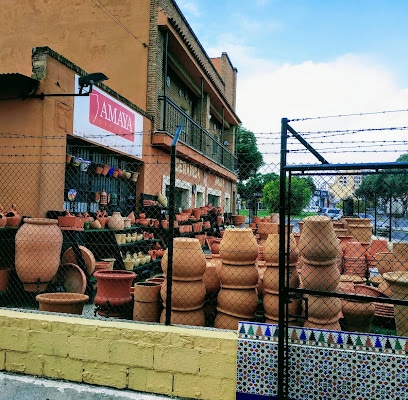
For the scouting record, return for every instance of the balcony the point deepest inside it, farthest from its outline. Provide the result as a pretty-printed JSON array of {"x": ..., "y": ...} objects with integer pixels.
[{"x": 203, "y": 147}]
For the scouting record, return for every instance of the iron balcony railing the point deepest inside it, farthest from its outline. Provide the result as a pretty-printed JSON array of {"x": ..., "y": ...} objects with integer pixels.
[{"x": 194, "y": 135}]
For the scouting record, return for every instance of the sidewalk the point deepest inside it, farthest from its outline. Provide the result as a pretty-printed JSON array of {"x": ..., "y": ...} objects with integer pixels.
[{"x": 24, "y": 387}]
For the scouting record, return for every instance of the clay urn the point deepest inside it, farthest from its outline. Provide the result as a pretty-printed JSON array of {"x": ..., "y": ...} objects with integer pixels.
[{"x": 238, "y": 246}]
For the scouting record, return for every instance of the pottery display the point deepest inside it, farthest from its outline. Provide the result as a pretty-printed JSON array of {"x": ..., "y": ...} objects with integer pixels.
[
  {"x": 266, "y": 228},
  {"x": 238, "y": 247},
  {"x": 38, "y": 246},
  {"x": 69, "y": 303},
  {"x": 239, "y": 220}
]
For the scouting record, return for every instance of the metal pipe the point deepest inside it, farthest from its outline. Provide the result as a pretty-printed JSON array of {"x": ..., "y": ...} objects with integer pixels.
[{"x": 165, "y": 67}]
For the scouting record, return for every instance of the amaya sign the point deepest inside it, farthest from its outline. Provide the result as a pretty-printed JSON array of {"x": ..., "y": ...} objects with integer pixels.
[
  {"x": 110, "y": 115},
  {"x": 105, "y": 120}
]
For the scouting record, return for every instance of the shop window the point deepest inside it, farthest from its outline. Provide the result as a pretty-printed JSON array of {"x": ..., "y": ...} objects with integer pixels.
[{"x": 214, "y": 200}]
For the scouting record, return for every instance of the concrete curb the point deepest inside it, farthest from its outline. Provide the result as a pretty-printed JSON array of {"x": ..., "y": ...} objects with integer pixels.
[{"x": 24, "y": 387}]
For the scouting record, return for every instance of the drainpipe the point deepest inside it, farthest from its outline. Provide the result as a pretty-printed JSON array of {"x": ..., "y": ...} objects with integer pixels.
[{"x": 165, "y": 66}]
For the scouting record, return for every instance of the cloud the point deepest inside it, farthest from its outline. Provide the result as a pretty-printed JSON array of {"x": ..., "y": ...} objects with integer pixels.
[{"x": 189, "y": 7}]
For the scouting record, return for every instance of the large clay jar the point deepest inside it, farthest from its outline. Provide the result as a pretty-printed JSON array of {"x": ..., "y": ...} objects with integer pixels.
[
  {"x": 189, "y": 262},
  {"x": 320, "y": 275},
  {"x": 113, "y": 287},
  {"x": 185, "y": 295},
  {"x": 147, "y": 304},
  {"x": 323, "y": 310},
  {"x": 37, "y": 254},
  {"x": 185, "y": 317},
  {"x": 211, "y": 279},
  {"x": 116, "y": 221},
  {"x": 245, "y": 276},
  {"x": 271, "y": 305},
  {"x": 398, "y": 283},
  {"x": 318, "y": 240},
  {"x": 357, "y": 315},
  {"x": 238, "y": 301},
  {"x": 238, "y": 247},
  {"x": 226, "y": 320},
  {"x": 271, "y": 277},
  {"x": 271, "y": 249}
]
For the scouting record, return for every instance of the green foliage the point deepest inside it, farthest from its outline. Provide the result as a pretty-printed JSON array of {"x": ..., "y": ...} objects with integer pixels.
[
  {"x": 250, "y": 159},
  {"x": 299, "y": 197}
]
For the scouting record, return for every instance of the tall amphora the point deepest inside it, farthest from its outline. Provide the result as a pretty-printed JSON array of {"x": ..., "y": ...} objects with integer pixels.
[{"x": 38, "y": 252}]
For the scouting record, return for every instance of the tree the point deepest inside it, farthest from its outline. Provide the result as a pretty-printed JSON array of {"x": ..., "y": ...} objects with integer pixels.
[
  {"x": 299, "y": 198},
  {"x": 250, "y": 159}
]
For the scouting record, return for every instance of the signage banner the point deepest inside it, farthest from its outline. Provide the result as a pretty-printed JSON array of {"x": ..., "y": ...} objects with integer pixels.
[{"x": 102, "y": 119}]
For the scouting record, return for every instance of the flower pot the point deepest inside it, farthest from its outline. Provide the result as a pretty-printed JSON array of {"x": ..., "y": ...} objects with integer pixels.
[
  {"x": 320, "y": 275},
  {"x": 211, "y": 279},
  {"x": 189, "y": 261},
  {"x": 69, "y": 303},
  {"x": 385, "y": 262},
  {"x": 226, "y": 320},
  {"x": 106, "y": 168},
  {"x": 360, "y": 231},
  {"x": 271, "y": 249},
  {"x": 147, "y": 305},
  {"x": 71, "y": 277},
  {"x": 69, "y": 257},
  {"x": 357, "y": 315},
  {"x": 271, "y": 277},
  {"x": 238, "y": 247},
  {"x": 113, "y": 287},
  {"x": 265, "y": 228},
  {"x": 38, "y": 246},
  {"x": 323, "y": 310},
  {"x": 318, "y": 240},
  {"x": 244, "y": 276},
  {"x": 398, "y": 284},
  {"x": 271, "y": 305}
]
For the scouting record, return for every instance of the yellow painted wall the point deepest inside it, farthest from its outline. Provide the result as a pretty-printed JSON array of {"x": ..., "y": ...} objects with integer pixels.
[{"x": 175, "y": 361}]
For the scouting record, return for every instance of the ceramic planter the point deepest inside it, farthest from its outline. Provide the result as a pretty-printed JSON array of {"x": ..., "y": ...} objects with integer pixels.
[
  {"x": 185, "y": 295},
  {"x": 238, "y": 247},
  {"x": 244, "y": 276},
  {"x": 37, "y": 255},
  {"x": 238, "y": 301},
  {"x": 147, "y": 305},
  {"x": 185, "y": 317},
  {"x": 69, "y": 303},
  {"x": 113, "y": 287}
]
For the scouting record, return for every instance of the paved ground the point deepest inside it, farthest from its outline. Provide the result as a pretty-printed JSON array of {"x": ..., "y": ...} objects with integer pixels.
[{"x": 22, "y": 387}]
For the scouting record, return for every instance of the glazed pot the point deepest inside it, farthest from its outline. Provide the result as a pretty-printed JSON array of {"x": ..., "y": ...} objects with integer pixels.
[
  {"x": 113, "y": 287},
  {"x": 238, "y": 247},
  {"x": 185, "y": 317},
  {"x": 189, "y": 261},
  {"x": 116, "y": 221},
  {"x": 69, "y": 303},
  {"x": 318, "y": 240},
  {"x": 38, "y": 244},
  {"x": 238, "y": 301},
  {"x": 185, "y": 295}
]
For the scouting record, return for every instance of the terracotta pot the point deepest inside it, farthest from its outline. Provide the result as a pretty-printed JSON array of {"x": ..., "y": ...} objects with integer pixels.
[
  {"x": 244, "y": 276},
  {"x": 225, "y": 320},
  {"x": 238, "y": 301},
  {"x": 238, "y": 247},
  {"x": 4, "y": 278},
  {"x": 38, "y": 244},
  {"x": 333, "y": 326},
  {"x": 113, "y": 287},
  {"x": 400, "y": 251},
  {"x": 69, "y": 257},
  {"x": 147, "y": 304},
  {"x": 354, "y": 249},
  {"x": 385, "y": 262},
  {"x": 116, "y": 221},
  {"x": 196, "y": 213},
  {"x": 320, "y": 275},
  {"x": 271, "y": 305},
  {"x": 357, "y": 315},
  {"x": 323, "y": 310},
  {"x": 211, "y": 279},
  {"x": 239, "y": 220},
  {"x": 271, "y": 249},
  {"x": 71, "y": 277},
  {"x": 265, "y": 228},
  {"x": 355, "y": 266},
  {"x": 14, "y": 222},
  {"x": 3, "y": 221},
  {"x": 377, "y": 246},
  {"x": 189, "y": 261},
  {"x": 69, "y": 303},
  {"x": 361, "y": 232},
  {"x": 98, "y": 169},
  {"x": 188, "y": 317},
  {"x": 398, "y": 283},
  {"x": 185, "y": 295},
  {"x": 102, "y": 265},
  {"x": 318, "y": 240},
  {"x": 271, "y": 277}
]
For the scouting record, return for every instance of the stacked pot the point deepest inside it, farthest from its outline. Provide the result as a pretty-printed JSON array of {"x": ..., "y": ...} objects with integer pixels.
[
  {"x": 271, "y": 277},
  {"x": 319, "y": 248},
  {"x": 188, "y": 289},
  {"x": 237, "y": 299},
  {"x": 147, "y": 303}
]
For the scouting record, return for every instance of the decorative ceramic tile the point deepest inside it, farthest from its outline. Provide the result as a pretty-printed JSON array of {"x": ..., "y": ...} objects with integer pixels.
[{"x": 322, "y": 364}]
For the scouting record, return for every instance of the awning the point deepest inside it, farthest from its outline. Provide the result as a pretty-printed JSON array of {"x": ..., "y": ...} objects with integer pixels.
[{"x": 15, "y": 86}]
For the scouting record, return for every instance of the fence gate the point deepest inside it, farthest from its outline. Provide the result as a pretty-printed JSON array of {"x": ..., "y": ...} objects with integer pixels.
[{"x": 343, "y": 308}]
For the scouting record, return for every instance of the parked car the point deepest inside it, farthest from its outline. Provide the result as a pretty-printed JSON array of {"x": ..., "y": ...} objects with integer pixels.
[{"x": 334, "y": 213}]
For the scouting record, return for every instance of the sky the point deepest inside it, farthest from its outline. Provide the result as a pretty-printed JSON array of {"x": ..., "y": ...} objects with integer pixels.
[{"x": 313, "y": 59}]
